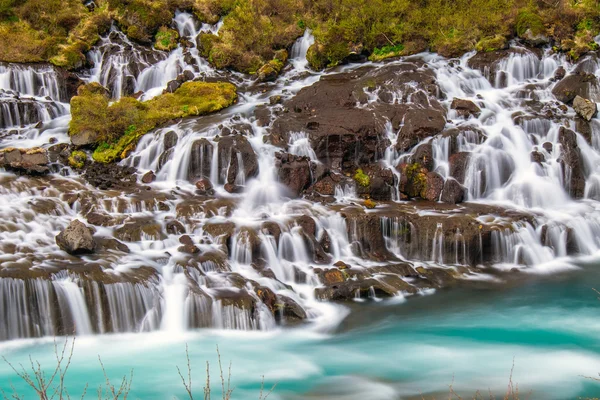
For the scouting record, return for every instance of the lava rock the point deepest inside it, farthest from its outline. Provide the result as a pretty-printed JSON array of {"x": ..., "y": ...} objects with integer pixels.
[
  {"x": 585, "y": 108},
  {"x": 293, "y": 172},
  {"x": 584, "y": 85},
  {"x": 465, "y": 108},
  {"x": 571, "y": 162},
  {"x": 148, "y": 177},
  {"x": 205, "y": 187},
  {"x": 453, "y": 192},
  {"x": 175, "y": 228},
  {"x": 418, "y": 125},
  {"x": 76, "y": 238}
]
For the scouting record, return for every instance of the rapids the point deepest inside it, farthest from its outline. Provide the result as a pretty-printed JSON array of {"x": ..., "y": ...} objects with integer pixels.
[{"x": 527, "y": 212}]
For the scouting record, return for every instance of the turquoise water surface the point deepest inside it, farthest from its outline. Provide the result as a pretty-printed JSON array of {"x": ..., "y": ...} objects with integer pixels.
[{"x": 550, "y": 326}]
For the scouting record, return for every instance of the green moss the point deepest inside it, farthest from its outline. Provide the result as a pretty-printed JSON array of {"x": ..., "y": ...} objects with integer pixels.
[
  {"x": 529, "y": 20},
  {"x": 316, "y": 57},
  {"x": 205, "y": 43},
  {"x": 77, "y": 159},
  {"x": 388, "y": 51},
  {"x": 361, "y": 178},
  {"x": 166, "y": 39},
  {"x": 119, "y": 126},
  {"x": 494, "y": 43}
]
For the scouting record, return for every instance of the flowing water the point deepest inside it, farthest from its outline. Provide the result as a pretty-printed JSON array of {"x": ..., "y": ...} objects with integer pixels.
[{"x": 526, "y": 277}]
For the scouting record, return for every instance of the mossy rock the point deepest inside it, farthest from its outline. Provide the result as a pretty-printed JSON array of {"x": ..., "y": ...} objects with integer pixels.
[
  {"x": 77, "y": 159},
  {"x": 316, "y": 57},
  {"x": 166, "y": 39},
  {"x": 116, "y": 128},
  {"x": 272, "y": 69},
  {"x": 529, "y": 21},
  {"x": 493, "y": 43},
  {"x": 205, "y": 42}
]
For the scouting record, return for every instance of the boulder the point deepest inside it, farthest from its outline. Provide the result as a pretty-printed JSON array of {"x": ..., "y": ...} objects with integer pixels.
[
  {"x": 453, "y": 192},
  {"x": 585, "y": 108},
  {"x": 380, "y": 183},
  {"x": 571, "y": 162},
  {"x": 76, "y": 238},
  {"x": 28, "y": 161},
  {"x": 583, "y": 84},
  {"x": 175, "y": 228},
  {"x": 465, "y": 108},
  {"x": 458, "y": 165},
  {"x": 188, "y": 245},
  {"x": 293, "y": 172},
  {"x": 148, "y": 177},
  {"x": 201, "y": 155},
  {"x": 423, "y": 155},
  {"x": 236, "y": 159},
  {"x": 84, "y": 138},
  {"x": 433, "y": 187},
  {"x": 205, "y": 187}
]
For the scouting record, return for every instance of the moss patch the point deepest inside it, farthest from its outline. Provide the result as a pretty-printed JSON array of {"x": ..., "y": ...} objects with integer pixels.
[
  {"x": 77, "y": 159},
  {"x": 387, "y": 52},
  {"x": 166, "y": 39},
  {"x": 119, "y": 126},
  {"x": 494, "y": 43},
  {"x": 361, "y": 178}
]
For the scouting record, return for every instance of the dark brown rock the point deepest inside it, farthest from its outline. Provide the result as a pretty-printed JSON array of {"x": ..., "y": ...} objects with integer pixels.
[
  {"x": 453, "y": 192},
  {"x": 76, "y": 238},
  {"x": 465, "y": 108}
]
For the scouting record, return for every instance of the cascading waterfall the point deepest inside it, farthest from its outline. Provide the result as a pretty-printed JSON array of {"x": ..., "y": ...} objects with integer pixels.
[{"x": 250, "y": 238}]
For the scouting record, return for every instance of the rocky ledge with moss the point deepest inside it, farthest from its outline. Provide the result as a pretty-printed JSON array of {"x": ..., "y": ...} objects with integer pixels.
[{"x": 113, "y": 130}]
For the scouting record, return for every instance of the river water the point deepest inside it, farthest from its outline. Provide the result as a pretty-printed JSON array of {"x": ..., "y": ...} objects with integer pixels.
[{"x": 380, "y": 350}]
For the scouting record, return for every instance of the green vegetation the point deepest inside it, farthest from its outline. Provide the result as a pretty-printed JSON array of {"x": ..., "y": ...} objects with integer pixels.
[
  {"x": 166, "y": 39},
  {"x": 361, "y": 178},
  {"x": 254, "y": 31},
  {"x": 77, "y": 159},
  {"x": 494, "y": 43},
  {"x": 387, "y": 52},
  {"x": 117, "y": 127}
]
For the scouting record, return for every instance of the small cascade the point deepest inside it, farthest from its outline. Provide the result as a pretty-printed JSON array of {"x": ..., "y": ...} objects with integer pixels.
[
  {"x": 520, "y": 66},
  {"x": 33, "y": 80},
  {"x": 70, "y": 297},
  {"x": 299, "y": 50},
  {"x": 300, "y": 145},
  {"x": 117, "y": 62}
]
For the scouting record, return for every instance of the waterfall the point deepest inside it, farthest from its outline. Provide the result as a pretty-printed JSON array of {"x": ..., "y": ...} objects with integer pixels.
[{"x": 257, "y": 256}]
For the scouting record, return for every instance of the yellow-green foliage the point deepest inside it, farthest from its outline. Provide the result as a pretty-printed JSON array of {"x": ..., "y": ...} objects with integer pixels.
[
  {"x": 77, "y": 159},
  {"x": 370, "y": 204},
  {"x": 119, "y": 126},
  {"x": 529, "y": 21},
  {"x": 361, "y": 178},
  {"x": 141, "y": 19},
  {"x": 166, "y": 39},
  {"x": 253, "y": 30},
  {"x": 494, "y": 43},
  {"x": 49, "y": 30}
]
